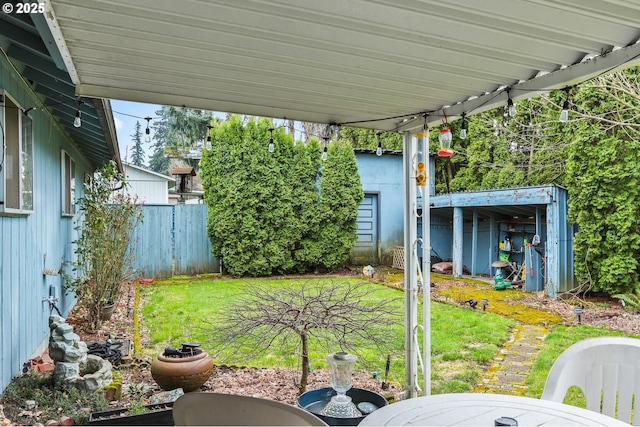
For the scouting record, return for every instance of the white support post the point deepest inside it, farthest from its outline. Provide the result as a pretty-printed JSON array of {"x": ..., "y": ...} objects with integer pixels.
[
  {"x": 410, "y": 265},
  {"x": 426, "y": 268}
]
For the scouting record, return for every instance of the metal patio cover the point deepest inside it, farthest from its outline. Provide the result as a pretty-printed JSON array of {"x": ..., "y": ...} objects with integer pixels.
[{"x": 370, "y": 63}]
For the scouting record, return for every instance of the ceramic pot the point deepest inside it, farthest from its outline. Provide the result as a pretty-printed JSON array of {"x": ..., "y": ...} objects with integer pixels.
[
  {"x": 107, "y": 311},
  {"x": 188, "y": 373}
]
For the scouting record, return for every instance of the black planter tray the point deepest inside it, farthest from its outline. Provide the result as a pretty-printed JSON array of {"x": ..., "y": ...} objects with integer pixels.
[{"x": 157, "y": 415}]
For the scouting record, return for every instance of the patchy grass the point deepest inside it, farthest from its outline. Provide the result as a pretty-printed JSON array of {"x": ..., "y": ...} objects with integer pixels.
[
  {"x": 504, "y": 302},
  {"x": 463, "y": 341}
]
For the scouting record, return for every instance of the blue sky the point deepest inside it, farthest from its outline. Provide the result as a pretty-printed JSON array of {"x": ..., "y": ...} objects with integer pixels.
[
  {"x": 125, "y": 115},
  {"x": 125, "y": 124}
]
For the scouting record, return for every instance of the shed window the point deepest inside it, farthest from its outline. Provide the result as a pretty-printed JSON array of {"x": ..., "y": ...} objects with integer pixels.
[
  {"x": 68, "y": 184},
  {"x": 16, "y": 161}
]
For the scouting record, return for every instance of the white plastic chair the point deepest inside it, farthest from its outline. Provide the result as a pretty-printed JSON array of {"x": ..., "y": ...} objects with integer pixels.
[
  {"x": 606, "y": 369},
  {"x": 216, "y": 409}
]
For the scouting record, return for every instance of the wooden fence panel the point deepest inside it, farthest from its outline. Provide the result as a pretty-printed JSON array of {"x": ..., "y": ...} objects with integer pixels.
[{"x": 172, "y": 240}]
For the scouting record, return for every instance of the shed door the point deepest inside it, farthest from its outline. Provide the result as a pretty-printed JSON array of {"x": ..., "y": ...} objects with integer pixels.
[{"x": 366, "y": 249}]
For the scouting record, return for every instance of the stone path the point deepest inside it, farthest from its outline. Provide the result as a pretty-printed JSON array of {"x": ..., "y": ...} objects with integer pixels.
[{"x": 510, "y": 368}]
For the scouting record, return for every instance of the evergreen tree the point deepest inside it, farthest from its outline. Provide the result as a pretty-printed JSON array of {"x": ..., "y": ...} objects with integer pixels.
[
  {"x": 603, "y": 173},
  {"x": 271, "y": 212},
  {"x": 137, "y": 157},
  {"x": 177, "y": 132},
  {"x": 340, "y": 195}
]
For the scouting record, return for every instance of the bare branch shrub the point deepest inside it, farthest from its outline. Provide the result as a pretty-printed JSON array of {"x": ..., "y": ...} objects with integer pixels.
[{"x": 330, "y": 313}]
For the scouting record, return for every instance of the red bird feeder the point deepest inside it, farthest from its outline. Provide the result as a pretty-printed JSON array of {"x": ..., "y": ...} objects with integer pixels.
[{"x": 445, "y": 143}]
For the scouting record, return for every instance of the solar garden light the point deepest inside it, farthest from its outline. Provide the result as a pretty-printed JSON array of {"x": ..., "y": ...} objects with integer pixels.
[
  {"x": 578, "y": 310},
  {"x": 485, "y": 303}
]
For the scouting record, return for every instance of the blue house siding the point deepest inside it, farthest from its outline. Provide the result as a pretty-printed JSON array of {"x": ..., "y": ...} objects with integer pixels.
[
  {"x": 31, "y": 243},
  {"x": 382, "y": 177}
]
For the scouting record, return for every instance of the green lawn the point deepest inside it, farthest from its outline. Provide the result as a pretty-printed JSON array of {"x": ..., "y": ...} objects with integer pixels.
[{"x": 463, "y": 340}]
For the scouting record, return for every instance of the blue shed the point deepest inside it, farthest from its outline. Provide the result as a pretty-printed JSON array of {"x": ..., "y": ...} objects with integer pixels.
[
  {"x": 470, "y": 228},
  {"x": 380, "y": 221},
  {"x": 44, "y": 160}
]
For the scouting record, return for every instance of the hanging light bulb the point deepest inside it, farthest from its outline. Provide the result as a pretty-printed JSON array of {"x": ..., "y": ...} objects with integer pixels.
[
  {"x": 208, "y": 145},
  {"x": 147, "y": 131},
  {"x": 463, "y": 130},
  {"x": 77, "y": 122},
  {"x": 272, "y": 146},
  {"x": 511, "y": 107},
  {"x": 564, "y": 114},
  {"x": 379, "y": 149},
  {"x": 326, "y": 148}
]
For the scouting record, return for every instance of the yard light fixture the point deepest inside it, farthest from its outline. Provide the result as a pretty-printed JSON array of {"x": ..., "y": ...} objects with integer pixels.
[
  {"x": 77, "y": 122},
  {"x": 578, "y": 310},
  {"x": 564, "y": 114},
  {"x": 272, "y": 146},
  {"x": 208, "y": 145},
  {"x": 511, "y": 107},
  {"x": 463, "y": 129},
  {"x": 379, "y": 149},
  {"x": 147, "y": 131},
  {"x": 485, "y": 303}
]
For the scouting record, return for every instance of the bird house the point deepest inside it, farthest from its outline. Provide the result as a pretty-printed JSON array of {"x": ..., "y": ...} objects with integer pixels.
[{"x": 184, "y": 179}]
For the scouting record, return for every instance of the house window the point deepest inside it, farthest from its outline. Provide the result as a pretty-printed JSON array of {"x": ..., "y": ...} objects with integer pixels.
[
  {"x": 68, "y": 184},
  {"x": 16, "y": 162}
]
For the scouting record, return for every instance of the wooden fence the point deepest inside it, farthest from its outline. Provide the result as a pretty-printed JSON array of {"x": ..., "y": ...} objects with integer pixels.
[{"x": 172, "y": 240}]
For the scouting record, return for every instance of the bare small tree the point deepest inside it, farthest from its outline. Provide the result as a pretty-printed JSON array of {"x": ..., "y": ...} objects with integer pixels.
[{"x": 331, "y": 313}]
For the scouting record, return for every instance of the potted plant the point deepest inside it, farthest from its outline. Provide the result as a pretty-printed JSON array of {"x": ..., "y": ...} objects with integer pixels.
[{"x": 103, "y": 255}]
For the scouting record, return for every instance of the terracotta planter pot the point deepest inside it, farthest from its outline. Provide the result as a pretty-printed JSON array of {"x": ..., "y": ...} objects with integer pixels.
[{"x": 188, "y": 373}]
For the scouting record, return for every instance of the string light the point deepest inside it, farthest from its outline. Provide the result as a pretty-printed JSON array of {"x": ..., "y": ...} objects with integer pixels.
[
  {"x": 208, "y": 145},
  {"x": 326, "y": 148},
  {"x": 147, "y": 131},
  {"x": 272, "y": 146},
  {"x": 511, "y": 107},
  {"x": 379, "y": 149},
  {"x": 463, "y": 130},
  {"x": 77, "y": 122},
  {"x": 564, "y": 114}
]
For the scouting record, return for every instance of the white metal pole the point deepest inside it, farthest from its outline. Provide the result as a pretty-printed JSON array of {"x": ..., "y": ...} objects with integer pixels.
[
  {"x": 410, "y": 265},
  {"x": 426, "y": 265}
]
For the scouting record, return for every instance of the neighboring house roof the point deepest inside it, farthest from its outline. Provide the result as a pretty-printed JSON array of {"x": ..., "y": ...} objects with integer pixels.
[
  {"x": 27, "y": 42},
  {"x": 370, "y": 63},
  {"x": 153, "y": 175}
]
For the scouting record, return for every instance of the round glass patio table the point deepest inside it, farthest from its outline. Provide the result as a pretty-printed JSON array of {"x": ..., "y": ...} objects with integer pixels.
[{"x": 482, "y": 409}]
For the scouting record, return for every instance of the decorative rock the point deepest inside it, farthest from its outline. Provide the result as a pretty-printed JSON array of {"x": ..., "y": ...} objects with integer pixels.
[
  {"x": 52, "y": 423},
  {"x": 165, "y": 396},
  {"x": 30, "y": 404},
  {"x": 65, "y": 372},
  {"x": 73, "y": 366},
  {"x": 96, "y": 374}
]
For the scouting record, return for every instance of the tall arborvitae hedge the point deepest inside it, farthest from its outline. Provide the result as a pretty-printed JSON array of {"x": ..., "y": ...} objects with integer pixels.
[{"x": 280, "y": 212}]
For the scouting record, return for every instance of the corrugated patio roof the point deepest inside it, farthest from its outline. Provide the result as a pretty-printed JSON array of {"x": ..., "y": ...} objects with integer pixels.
[{"x": 372, "y": 63}]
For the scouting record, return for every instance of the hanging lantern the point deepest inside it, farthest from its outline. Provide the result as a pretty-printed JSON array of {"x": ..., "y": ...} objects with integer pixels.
[{"x": 445, "y": 143}]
